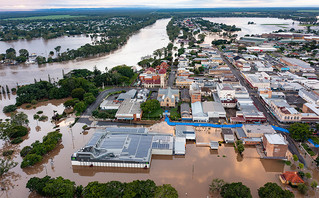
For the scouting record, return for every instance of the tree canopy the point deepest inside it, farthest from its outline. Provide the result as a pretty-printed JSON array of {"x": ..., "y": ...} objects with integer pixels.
[
  {"x": 270, "y": 190},
  {"x": 300, "y": 131},
  {"x": 237, "y": 190}
]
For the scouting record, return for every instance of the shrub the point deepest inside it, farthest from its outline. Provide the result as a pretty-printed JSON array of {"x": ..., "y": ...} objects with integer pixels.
[
  {"x": 34, "y": 102},
  {"x": 28, "y": 106},
  {"x": 288, "y": 163},
  {"x": 39, "y": 112},
  {"x": 9, "y": 108},
  {"x": 7, "y": 153},
  {"x": 43, "y": 118},
  {"x": 17, "y": 140},
  {"x": 18, "y": 131},
  {"x": 36, "y": 116},
  {"x": 30, "y": 160}
]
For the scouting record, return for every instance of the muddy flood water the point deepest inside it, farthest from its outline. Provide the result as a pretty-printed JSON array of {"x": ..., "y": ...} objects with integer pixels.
[{"x": 190, "y": 174}]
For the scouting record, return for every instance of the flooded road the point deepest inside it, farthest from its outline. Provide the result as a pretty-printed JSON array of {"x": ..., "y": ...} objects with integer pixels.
[{"x": 140, "y": 44}]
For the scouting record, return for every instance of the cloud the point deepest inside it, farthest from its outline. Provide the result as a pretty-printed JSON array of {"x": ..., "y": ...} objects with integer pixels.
[{"x": 45, "y": 4}]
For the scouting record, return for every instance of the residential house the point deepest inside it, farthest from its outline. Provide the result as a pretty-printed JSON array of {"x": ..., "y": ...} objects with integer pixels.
[{"x": 290, "y": 177}]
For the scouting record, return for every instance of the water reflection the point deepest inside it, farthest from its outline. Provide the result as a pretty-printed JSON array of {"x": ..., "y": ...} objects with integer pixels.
[{"x": 91, "y": 171}]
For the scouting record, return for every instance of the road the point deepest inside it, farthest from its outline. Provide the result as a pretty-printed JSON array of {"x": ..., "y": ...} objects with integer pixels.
[{"x": 270, "y": 117}]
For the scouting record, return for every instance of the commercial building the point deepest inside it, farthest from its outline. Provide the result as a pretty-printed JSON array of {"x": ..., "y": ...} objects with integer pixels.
[
  {"x": 252, "y": 40},
  {"x": 257, "y": 80},
  {"x": 129, "y": 110},
  {"x": 309, "y": 96},
  {"x": 297, "y": 64},
  {"x": 110, "y": 105},
  {"x": 252, "y": 134},
  {"x": 284, "y": 112},
  {"x": 180, "y": 146},
  {"x": 131, "y": 94},
  {"x": 198, "y": 113},
  {"x": 228, "y": 135},
  {"x": 123, "y": 147},
  {"x": 275, "y": 146},
  {"x": 185, "y": 131},
  {"x": 214, "y": 109}
]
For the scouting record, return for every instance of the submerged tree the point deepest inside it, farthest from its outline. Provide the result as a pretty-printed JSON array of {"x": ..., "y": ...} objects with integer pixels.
[{"x": 6, "y": 164}]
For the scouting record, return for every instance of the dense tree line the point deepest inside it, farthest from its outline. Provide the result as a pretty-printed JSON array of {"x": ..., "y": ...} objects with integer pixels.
[
  {"x": 60, "y": 187},
  {"x": 172, "y": 29},
  {"x": 33, "y": 154},
  {"x": 216, "y": 27}
]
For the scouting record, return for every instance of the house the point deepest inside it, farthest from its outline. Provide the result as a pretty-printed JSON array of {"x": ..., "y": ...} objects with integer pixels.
[
  {"x": 186, "y": 112},
  {"x": 168, "y": 97},
  {"x": 275, "y": 146},
  {"x": 290, "y": 177},
  {"x": 228, "y": 135}
]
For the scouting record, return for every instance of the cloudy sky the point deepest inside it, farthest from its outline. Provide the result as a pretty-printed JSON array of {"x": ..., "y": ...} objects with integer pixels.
[{"x": 44, "y": 4}]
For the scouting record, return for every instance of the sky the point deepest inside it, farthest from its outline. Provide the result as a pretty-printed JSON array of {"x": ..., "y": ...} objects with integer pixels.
[{"x": 49, "y": 4}]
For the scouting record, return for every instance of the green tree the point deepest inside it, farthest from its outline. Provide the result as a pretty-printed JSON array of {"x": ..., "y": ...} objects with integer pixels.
[
  {"x": 314, "y": 184},
  {"x": 19, "y": 119},
  {"x": 57, "y": 49},
  {"x": 5, "y": 165},
  {"x": 59, "y": 187},
  {"x": 308, "y": 175},
  {"x": 240, "y": 146},
  {"x": 166, "y": 191},
  {"x": 303, "y": 188},
  {"x": 270, "y": 190},
  {"x": 150, "y": 106},
  {"x": 216, "y": 185},
  {"x": 30, "y": 160},
  {"x": 295, "y": 157},
  {"x": 301, "y": 165},
  {"x": 237, "y": 190},
  {"x": 89, "y": 98},
  {"x": 300, "y": 131},
  {"x": 40, "y": 60},
  {"x": 78, "y": 93},
  {"x": 24, "y": 53},
  {"x": 140, "y": 188},
  {"x": 80, "y": 107},
  {"x": 9, "y": 108},
  {"x": 37, "y": 184}
]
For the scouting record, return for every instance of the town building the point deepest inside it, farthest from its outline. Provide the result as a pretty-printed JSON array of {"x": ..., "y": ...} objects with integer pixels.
[
  {"x": 228, "y": 135},
  {"x": 226, "y": 93},
  {"x": 257, "y": 80},
  {"x": 297, "y": 64},
  {"x": 252, "y": 134},
  {"x": 129, "y": 110},
  {"x": 214, "y": 109},
  {"x": 198, "y": 113},
  {"x": 309, "y": 96},
  {"x": 275, "y": 146},
  {"x": 252, "y": 40},
  {"x": 195, "y": 92},
  {"x": 186, "y": 112},
  {"x": 185, "y": 131},
  {"x": 168, "y": 97}
]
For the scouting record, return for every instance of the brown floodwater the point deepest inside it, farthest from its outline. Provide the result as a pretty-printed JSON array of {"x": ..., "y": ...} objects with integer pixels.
[
  {"x": 190, "y": 174},
  {"x": 138, "y": 45}
]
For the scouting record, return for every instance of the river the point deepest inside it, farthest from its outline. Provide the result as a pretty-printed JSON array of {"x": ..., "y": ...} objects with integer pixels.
[{"x": 140, "y": 44}]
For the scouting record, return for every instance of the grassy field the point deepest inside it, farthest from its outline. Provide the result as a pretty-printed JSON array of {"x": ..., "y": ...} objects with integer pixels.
[
  {"x": 45, "y": 17},
  {"x": 308, "y": 25},
  {"x": 154, "y": 115}
]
